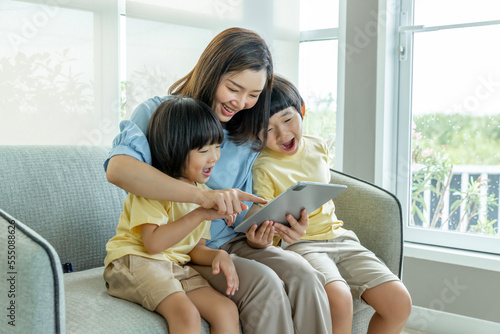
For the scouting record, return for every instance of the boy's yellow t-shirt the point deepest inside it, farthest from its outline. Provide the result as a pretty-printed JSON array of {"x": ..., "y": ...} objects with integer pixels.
[
  {"x": 137, "y": 211},
  {"x": 273, "y": 173}
]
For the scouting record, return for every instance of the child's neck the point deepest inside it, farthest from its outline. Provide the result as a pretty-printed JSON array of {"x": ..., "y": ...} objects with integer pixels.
[{"x": 186, "y": 180}]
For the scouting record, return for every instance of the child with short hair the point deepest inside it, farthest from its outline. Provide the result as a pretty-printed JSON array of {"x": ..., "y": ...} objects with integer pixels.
[
  {"x": 147, "y": 258},
  {"x": 350, "y": 269}
]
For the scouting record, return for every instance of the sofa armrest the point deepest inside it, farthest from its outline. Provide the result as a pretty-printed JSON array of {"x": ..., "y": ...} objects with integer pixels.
[
  {"x": 33, "y": 282},
  {"x": 374, "y": 215}
]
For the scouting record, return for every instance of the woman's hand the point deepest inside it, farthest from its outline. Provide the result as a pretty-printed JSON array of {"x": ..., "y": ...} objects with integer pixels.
[
  {"x": 228, "y": 201},
  {"x": 223, "y": 262},
  {"x": 262, "y": 237},
  {"x": 296, "y": 230}
]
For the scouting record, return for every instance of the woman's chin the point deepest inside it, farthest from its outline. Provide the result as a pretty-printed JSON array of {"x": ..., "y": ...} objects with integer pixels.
[
  {"x": 225, "y": 114},
  {"x": 224, "y": 117}
]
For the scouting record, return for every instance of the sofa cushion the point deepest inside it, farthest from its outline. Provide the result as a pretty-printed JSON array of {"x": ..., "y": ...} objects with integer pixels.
[
  {"x": 374, "y": 215},
  {"x": 89, "y": 308},
  {"x": 29, "y": 261}
]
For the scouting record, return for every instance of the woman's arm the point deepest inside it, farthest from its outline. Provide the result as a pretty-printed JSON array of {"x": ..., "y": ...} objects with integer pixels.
[
  {"x": 219, "y": 260},
  {"x": 141, "y": 179}
]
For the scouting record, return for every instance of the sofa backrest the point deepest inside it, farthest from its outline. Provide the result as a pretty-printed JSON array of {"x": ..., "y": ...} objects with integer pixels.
[
  {"x": 62, "y": 193},
  {"x": 374, "y": 215}
]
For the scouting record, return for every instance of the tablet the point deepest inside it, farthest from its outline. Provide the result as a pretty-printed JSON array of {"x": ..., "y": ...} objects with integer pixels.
[{"x": 302, "y": 195}]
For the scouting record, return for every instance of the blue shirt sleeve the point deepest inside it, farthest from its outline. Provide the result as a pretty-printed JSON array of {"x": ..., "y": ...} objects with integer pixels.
[
  {"x": 132, "y": 137},
  {"x": 130, "y": 141}
]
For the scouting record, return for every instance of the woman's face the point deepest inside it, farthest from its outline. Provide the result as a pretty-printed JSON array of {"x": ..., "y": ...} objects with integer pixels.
[{"x": 238, "y": 91}]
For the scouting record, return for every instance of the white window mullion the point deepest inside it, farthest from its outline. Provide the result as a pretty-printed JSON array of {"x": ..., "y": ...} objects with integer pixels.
[{"x": 403, "y": 182}]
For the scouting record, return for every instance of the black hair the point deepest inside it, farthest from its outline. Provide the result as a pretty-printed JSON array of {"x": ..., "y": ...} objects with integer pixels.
[
  {"x": 232, "y": 50},
  {"x": 284, "y": 95},
  {"x": 179, "y": 125}
]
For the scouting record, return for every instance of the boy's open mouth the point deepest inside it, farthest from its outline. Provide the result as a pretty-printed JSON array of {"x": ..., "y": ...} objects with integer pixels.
[
  {"x": 289, "y": 145},
  {"x": 207, "y": 171}
]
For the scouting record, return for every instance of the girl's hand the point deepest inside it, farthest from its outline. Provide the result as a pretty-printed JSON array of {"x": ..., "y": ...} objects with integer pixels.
[
  {"x": 232, "y": 218},
  {"x": 262, "y": 237},
  {"x": 222, "y": 262},
  {"x": 296, "y": 230},
  {"x": 228, "y": 201},
  {"x": 212, "y": 214}
]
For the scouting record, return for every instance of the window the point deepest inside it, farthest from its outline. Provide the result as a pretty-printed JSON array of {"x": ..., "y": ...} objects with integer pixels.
[
  {"x": 71, "y": 70},
  {"x": 165, "y": 38},
  {"x": 318, "y": 69},
  {"x": 450, "y": 122},
  {"x": 56, "y": 65}
]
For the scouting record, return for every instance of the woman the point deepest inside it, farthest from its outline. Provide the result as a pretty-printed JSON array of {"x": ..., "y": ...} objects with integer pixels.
[{"x": 234, "y": 76}]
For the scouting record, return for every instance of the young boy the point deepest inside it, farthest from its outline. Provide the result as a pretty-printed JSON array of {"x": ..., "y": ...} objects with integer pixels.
[
  {"x": 147, "y": 259},
  {"x": 349, "y": 268}
]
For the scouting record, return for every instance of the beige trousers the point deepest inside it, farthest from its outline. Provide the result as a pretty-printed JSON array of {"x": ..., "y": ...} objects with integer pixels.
[{"x": 279, "y": 290}]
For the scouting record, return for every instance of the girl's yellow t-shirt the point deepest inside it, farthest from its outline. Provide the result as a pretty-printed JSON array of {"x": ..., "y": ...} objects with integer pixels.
[{"x": 137, "y": 211}]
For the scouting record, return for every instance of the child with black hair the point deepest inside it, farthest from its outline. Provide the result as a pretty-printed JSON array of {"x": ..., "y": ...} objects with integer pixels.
[
  {"x": 147, "y": 258},
  {"x": 350, "y": 269}
]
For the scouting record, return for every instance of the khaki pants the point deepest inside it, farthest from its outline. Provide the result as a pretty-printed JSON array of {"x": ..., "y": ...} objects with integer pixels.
[
  {"x": 279, "y": 291},
  {"x": 345, "y": 259},
  {"x": 148, "y": 282}
]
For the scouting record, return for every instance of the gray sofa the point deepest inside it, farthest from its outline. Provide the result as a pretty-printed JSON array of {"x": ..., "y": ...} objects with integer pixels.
[{"x": 56, "y": 206}]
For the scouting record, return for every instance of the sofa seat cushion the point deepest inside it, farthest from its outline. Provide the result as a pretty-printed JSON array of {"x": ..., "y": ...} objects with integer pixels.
[
  {"x": 359, "y": 306},
  {"x": 89, "y": 308}
]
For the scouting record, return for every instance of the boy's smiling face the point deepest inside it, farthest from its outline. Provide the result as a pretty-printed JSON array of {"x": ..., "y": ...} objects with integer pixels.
[{"x": 285, "y": 131}]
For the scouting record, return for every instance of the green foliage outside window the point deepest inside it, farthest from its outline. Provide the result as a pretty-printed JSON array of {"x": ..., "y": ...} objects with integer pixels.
[
  {"x": 466, "y": 139},
  {"x": 441, "y": 141}
]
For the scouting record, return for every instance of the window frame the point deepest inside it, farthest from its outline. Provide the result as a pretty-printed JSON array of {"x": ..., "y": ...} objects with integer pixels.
[{"x": 449, "y": 239}]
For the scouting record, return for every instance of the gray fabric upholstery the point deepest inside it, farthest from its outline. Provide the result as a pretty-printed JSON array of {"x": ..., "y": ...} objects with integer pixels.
[
  {"x": 62, "y": 193},
  {"x": 32, "y": 281},
  {"x": 374, "y": 215},
  {"x": 66, "y": 211},
  {"x": 91, "y": 310}
]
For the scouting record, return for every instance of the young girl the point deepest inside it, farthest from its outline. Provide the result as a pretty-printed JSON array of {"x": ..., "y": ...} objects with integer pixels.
[
  {"x": 146, "y": 261},
  {"x": 348, "y": 267},
  {"x": 279, "y": 292}
]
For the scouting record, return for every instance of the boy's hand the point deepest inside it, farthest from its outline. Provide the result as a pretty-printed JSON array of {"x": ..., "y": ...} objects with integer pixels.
[
  {"x": 262, "y": 237},
  {"x": 296, "y": 230},
  {"x": 222, "y": 262}
]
